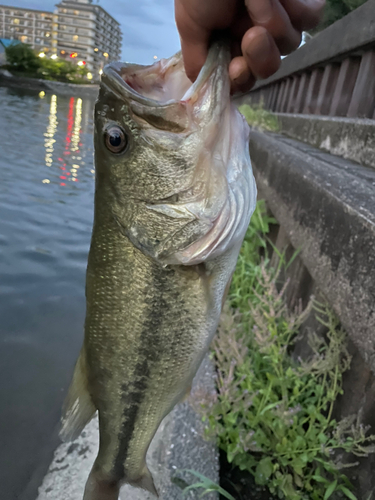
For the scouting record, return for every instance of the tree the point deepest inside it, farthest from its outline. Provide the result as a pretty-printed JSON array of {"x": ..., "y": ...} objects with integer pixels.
[
  {"x": 22, "y": 59},
  {"x": 64, "y": 71},
  {"x": 336, "y": 9}
]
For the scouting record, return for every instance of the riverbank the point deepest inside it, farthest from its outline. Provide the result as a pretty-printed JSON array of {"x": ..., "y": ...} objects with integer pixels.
[{"x": 68, "y": 89}]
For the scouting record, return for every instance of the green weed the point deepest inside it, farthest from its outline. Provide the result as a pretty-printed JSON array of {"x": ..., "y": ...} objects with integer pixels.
[
  {"x": 205, "y": 484},
  {"x": 260, "y": 118},
  {"x": 272, "y": 415}
]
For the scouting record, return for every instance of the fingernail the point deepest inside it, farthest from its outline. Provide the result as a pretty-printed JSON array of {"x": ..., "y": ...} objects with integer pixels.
[
  {"x": 239, "y": 72},
  {"x": 241, "y": 78}
]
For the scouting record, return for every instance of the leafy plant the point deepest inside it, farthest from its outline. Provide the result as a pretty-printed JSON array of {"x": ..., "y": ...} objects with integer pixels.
[
  {"x": 205, "y": 484},
  {"x": 21, "y": 58},
  {"x": 336, "y": 9},
  {"x": 272, "y": 415},
  {"x": 257, "y": 117},
  {"x": 64, "y": 71}
]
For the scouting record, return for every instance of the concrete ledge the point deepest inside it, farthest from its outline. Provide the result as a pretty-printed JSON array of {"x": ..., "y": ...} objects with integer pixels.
[
  {"x": 326, "y": 205},
  {"x": 177, "y": 445},
  {"x": 353, "y": 32},
  {"x": 351, "y": 138}
]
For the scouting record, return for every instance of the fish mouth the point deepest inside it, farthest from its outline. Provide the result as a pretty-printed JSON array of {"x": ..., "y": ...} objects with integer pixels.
[{"x": 165, "y": 82}]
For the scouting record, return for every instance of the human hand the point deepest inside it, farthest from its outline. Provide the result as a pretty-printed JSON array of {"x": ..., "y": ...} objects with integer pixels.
[{"x": 260, "y": 32}]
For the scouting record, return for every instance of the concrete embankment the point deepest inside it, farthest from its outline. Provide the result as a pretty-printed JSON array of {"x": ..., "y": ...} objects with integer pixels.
[
  {"x": 69, "y": 89},
  {"x": 325, "y": 209}
]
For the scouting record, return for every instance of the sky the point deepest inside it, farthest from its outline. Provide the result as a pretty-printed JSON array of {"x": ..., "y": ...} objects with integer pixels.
[{"x": 148, "y": 27}]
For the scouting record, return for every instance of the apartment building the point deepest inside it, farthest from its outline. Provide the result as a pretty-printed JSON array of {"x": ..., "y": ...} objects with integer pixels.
[
  {"x": 86, "y": 32},
  {"x": 78, "y": 30},
  {"x": 33, "y": 27}
]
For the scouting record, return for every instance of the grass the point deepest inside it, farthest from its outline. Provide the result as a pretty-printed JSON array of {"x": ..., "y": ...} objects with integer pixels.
[
  {"x": 273, "y": 415},
  {"x": 260, "y": 118}
]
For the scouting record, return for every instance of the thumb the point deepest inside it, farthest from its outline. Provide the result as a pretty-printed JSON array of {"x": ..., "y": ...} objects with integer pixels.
[{"x": 194, "y": 42}]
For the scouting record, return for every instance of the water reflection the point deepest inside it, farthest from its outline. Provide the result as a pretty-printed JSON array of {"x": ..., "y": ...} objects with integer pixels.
[
  {"x": 77, "y": 126},
  {"x": 71, "y": 159},
  {"x": 45, "y": 231},
  {"x": 51, "y": 130}
]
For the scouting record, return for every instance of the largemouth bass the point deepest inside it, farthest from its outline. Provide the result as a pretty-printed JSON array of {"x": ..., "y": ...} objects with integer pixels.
[{"x": 173, "y": 199}]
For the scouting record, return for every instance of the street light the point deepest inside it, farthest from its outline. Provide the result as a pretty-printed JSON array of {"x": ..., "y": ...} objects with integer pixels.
[{"x": 41, "y": 55}]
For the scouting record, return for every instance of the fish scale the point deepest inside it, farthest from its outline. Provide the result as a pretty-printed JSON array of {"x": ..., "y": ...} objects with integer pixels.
[{"x": 170, "y": 217}]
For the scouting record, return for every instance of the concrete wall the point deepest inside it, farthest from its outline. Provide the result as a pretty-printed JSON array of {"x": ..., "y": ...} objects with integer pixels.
[
  {"x": 325, "y": 207},
  {"x": 353, "y": 139}
]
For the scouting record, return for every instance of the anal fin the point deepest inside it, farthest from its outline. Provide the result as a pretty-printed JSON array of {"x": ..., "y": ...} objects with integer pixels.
[{"x": 78, "y": 408}]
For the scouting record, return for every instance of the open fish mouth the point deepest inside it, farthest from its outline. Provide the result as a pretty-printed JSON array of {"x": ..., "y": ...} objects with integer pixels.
[
  {"x": 164, "y": 82},
  {"x": 156, "y": 85},
  {"x": 213, "y": 209}
]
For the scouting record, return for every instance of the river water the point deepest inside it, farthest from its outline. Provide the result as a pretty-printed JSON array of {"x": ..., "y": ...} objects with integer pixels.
[{"x": 46, "y": 209}]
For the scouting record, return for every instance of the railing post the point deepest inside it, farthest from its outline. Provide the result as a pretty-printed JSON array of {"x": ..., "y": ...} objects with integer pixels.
[
  {"x": 303, "y": 84},
  {"x": 344, "y": 87},
  {"x": 274, "y": 89},
  {"x": 313, "y": 91},
  {"x": 362, "y": 103},
  {"x": 326, "y": 87},
  {"x": 286, "y": 95},
  {"x": 292, "y": 93},
  {"x": 280, "y": 96},
  {"x": 267, "y": 95}
]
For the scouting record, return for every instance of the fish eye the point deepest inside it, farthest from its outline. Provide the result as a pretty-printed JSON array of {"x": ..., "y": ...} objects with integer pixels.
[{"x": 115, "y": 139}]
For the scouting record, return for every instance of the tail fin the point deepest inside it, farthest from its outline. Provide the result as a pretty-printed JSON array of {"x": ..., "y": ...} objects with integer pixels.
[
  {"x": 100, "y": 490},
  {"x": 78, "y": 407},
  {"x": 145, "y": 482}
]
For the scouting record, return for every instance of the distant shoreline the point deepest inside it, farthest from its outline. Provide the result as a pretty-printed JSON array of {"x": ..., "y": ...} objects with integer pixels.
[{"x": 48, "y": 86}]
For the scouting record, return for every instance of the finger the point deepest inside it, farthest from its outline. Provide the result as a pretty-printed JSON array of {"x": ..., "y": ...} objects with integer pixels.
[
  {"x": 260, "y": 52},
  {"x": 235, "y": 48},
  {"x": 241, "y": 23},
  {"x": 271, "y": 15},
  {"x": 194, "y": 42},
  {"x": 304, "y": 14},
  {"x": 241, "y": 77}
]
